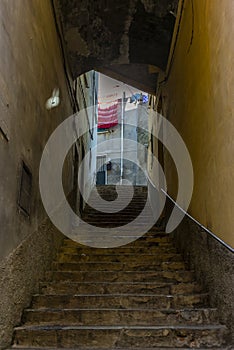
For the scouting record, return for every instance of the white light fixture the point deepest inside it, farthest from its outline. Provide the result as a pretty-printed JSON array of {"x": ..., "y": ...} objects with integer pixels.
[{"x": 54, "y": 100}]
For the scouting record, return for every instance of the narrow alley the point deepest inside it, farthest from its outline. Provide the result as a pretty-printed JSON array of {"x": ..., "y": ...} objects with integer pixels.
[{"x": 116, "y": 174}]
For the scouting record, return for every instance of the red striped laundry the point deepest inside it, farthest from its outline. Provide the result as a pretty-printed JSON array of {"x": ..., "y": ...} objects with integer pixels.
[{"x": 108, "y": 117}]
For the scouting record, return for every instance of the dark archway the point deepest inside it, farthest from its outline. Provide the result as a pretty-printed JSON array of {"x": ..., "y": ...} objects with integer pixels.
[{"x": 104, "y": 33}]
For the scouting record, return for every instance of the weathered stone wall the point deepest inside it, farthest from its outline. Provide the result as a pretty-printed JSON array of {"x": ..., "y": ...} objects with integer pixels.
[
  {"x": 20, "y": 273},
  {"x": 31, "y": 66},
  {"x": 214, "y": 267}
]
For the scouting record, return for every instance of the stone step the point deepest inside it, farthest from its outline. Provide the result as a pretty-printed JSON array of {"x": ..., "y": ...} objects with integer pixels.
[
  {"x": 119, "y": 301},
  {"x": 129, "y": 202},
  {"x": 125, "y": 188},
  {"x": 132, "y": 210},
  {"x": 107, "y": 239},
  {"x": 115, "y": 287},
  {"x": 147, "y": 239},
  {"x": 112, "y": 197},
  {"x": 122, "y": 213},
  {"x": 130, "y": 230},
  {"x": 120, "y": 336},
  {"x": 138, "y": 296},
  {"x": 121, "y": 191},
  {"x": 119, "y": 250},
  {"x": 108, "y": 317},
  {"x": 82, "y": 348},
  {"x": 118, "y": 266},
  {"x": 123, "y": 258},
  {"x": 167, "y": 243},
  {"x": 135, "y": 244},
  {"x": 123, "y": 276},
  {"x": 104, "y": 209},
  {"x": 116, "y": 223},
  {"x": 130, "y": 213},
  {"x": 127, "y": 208},
  {"x": 115, "y": 218},
  {"x": 132, "y": 241}
]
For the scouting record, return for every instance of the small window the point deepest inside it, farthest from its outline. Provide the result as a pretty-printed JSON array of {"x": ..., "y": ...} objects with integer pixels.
[{"x": 25, "y": 191}]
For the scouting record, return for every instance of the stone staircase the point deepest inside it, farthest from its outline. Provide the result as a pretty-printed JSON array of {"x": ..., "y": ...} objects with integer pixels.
[{"x": 138, "y": 296}]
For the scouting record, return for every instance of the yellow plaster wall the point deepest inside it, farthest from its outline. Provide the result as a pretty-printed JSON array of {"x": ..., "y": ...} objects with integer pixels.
[{"x": 199, "y": 99}]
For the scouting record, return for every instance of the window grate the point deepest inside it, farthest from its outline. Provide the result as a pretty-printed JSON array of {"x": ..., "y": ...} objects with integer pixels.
[{"x": 25, "y": 191}]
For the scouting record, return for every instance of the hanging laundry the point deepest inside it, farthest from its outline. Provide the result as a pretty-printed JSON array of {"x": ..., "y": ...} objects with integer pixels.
[{"x": 108, "y": 116}]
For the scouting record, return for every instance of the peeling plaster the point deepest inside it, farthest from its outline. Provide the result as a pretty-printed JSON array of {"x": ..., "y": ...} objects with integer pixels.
[
  {"x": 103, "y": 33},
  {"x": 76, "y": 43}
]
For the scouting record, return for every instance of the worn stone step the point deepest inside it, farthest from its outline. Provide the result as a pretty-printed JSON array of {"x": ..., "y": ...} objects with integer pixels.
[
  {"x": 112, "y": 195},
  {"x": 122, "y": 213},
  {"x": 120, "y": 239},
  {"x": 117, "y": 216},
  {"x": 141, "y": 188},
  {"x": 117, "y": 223},
  {"x": 119, "y": 301},
  {"x": 156, "y": 229},
  {"x": 88, "y": 348},
  {"x": 104, "y": 210},
  {"x": 138, "y": 296},
  {"x": 108, "y": 317},
  {"x": 137, "y": 203},
  {"x": 147, "y": 239},
  {"x": 129, "y": 202},
  {"x": 121, "y": 276},
  {"x": 120, "y": 336},
  {"x": 167, "y": 243},
  {"x": 118, "y": 266},
  {"x": 124, "y": 193},
  {"x": 132, "y": 208},
  {"x": 123, "y": 190},
  {"x": 123, "y": 258},
  {"x": 104, "y": 213},
  {"x": 115, "y": 287},
  {"x": 119, "y": 250},
  {"x": 129, "y": 231},
  {"x": 115, "y": 220},
  {"x": 136, "y": 241}
]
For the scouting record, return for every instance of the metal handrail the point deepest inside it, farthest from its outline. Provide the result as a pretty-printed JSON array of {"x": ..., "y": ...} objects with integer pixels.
[{"x": 192, "y": 218}]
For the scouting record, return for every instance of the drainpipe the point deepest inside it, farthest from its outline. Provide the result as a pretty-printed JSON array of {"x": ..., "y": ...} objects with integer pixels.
[{"x": 122, "y": 139}]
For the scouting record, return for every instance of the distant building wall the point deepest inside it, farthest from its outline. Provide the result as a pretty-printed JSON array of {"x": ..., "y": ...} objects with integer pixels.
[
  {"x": 86, "y": 93},
  {"x": 143, "y": 141},
  {"x": 131, "y": 171}
]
